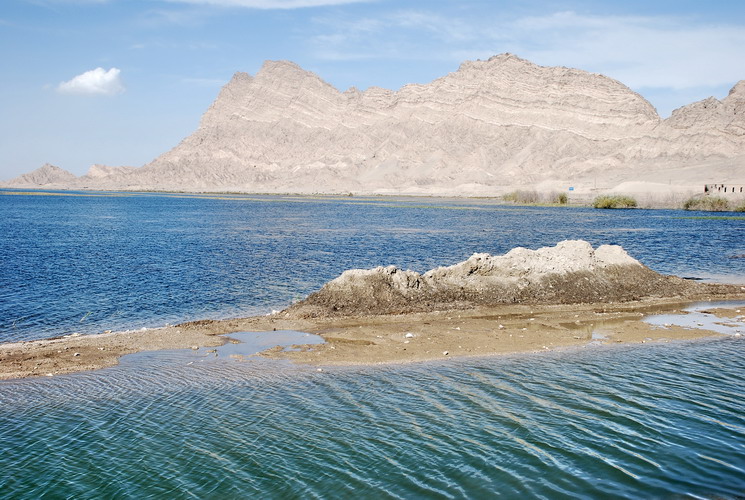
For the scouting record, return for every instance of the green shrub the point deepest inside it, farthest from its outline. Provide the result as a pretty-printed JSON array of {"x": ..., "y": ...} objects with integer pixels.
[
  {"x": 615, "y": 201},
  {"x": 525, "y": 197},
  {"x": 521, "y": 197},
  {"x": 707, "y": 203}
]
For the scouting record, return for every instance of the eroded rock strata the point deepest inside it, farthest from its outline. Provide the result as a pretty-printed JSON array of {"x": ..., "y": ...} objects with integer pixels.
[{"x": 490, "y": 124}]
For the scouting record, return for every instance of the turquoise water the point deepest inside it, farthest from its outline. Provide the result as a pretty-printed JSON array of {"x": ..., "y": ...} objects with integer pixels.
[
  {"x": 660, "y": 421},
  {"x": 651, "y": 421}
]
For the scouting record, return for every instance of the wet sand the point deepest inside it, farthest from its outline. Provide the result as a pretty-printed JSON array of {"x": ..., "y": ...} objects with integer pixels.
[{"x": 378, "y": 339}]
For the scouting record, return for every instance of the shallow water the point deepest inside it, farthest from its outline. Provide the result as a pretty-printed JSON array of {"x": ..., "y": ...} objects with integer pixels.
[
  {"x": 652, "y": 421},
  {"x": 660, "y": 421},
  {"x": 699, "y": 316}
]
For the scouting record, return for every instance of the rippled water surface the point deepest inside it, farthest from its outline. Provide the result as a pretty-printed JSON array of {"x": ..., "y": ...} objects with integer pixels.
[
  {"x": 652, "y": 421},
  {"x": 88, "y": 263},
  {"x": 661, "y": 421}
]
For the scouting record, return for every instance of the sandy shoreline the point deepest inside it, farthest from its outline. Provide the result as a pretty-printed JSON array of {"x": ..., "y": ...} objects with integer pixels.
[{"x": 360, "y": 340}]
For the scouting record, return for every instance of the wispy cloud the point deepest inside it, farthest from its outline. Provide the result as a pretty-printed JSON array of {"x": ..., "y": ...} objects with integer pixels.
[
  {"x": 270, "y": 4},
  {"x": 204, "y": 82},
  {"x": 641, "y": 51},
  {"x": 94, "y": 82}
]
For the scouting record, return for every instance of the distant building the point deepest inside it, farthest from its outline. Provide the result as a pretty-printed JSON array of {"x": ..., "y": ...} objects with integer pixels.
[{"x": 724, "y": 189}]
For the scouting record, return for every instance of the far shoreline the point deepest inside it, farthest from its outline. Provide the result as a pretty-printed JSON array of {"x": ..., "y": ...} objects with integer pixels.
[{"x": 649, "y": 201}]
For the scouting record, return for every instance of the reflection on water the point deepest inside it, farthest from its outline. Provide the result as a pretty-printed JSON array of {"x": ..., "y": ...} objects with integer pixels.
[
  {"x": 700, "y": 315},
  {"x": 241, "y": 345},
  {"x": 631, "y": 421}
]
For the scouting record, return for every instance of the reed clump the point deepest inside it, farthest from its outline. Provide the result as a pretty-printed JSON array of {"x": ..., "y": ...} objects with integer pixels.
[
  {"x": 530, "y": 197},
  {"x": 709, "y": 204},
  {"x": 614, "y": 201}
]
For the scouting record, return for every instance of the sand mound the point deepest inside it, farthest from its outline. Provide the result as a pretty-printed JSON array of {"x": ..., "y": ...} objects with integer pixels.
[{"x": 571, "y": 272}]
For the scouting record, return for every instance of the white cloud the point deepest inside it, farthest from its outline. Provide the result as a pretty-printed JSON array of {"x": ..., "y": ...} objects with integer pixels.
[
  {"x": 96, "y": 81},
  {"x": 270, "y": 4}
]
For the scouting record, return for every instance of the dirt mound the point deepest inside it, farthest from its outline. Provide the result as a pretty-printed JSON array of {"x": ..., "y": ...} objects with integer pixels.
[{"x": 571, "y": 272}]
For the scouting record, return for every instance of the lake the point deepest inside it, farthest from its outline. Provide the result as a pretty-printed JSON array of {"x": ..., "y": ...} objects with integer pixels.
[{"x": 655, "y": 421}]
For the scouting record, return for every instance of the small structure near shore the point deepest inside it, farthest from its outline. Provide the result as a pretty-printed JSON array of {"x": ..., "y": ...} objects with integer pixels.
[{"x": 725, "y": 189}]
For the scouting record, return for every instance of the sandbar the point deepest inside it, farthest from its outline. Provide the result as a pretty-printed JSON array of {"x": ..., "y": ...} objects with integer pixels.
[{"x": 380, "y": 339}]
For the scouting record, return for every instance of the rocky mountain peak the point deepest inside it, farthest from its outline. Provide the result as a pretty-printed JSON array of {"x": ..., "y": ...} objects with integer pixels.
[
  {"x": 738, "y": 90},
  {"x": 502, "y": 122},
  {"x": 45, "y": 175}
]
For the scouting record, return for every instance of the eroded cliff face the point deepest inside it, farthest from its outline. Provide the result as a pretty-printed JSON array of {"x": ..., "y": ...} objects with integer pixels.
[{"x": 501, "y": 122}]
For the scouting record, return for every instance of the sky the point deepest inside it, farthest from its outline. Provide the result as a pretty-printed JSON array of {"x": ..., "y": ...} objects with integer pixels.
[{"x": 118, "y": 82}]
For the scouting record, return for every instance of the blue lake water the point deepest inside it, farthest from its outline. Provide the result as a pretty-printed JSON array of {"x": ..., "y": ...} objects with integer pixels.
[{"x": 660, "y": 421}]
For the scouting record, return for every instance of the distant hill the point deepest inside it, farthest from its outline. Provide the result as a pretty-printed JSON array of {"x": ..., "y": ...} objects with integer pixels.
[{"x": 486, "y": 128}]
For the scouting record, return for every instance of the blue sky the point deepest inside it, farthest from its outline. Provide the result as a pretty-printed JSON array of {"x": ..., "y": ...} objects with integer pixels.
[{"x": 119, "y": 82}]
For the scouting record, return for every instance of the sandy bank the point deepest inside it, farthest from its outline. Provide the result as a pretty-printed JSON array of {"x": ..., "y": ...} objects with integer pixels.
[
  {"x": 377, "y": 339},
  {"x": 525, "y": 300}
]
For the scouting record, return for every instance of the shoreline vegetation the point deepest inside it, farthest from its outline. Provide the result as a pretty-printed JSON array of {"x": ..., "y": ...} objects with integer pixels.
[
  {"x": 518, "y": 198},
  {"x": 565, "y": 296}
]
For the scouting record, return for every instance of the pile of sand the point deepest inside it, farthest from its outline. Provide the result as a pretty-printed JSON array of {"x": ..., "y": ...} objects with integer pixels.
[{"x": 571, "y": 272}]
